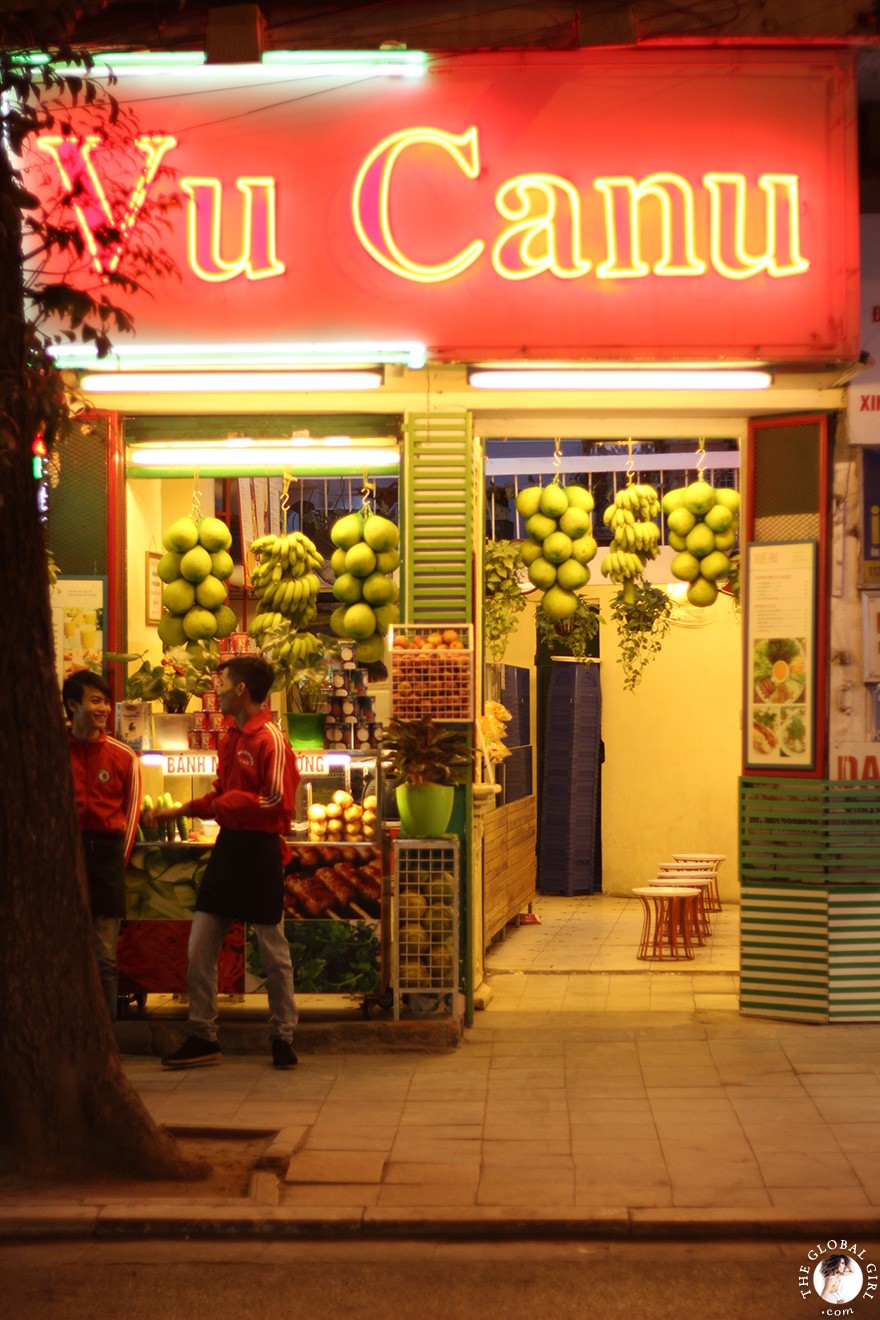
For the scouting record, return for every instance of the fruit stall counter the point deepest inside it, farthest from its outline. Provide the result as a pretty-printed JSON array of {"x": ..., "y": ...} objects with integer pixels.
[{"x": 333, "y": 906}]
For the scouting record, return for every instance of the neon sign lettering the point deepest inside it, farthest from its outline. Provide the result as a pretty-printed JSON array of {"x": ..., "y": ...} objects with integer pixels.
[
  {"x": 73, "y": 160},
  {"x": 257, "y": 259}
]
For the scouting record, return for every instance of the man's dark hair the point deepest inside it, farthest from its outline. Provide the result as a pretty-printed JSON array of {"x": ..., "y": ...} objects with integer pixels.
[
  {"x": 252, "y": 670},
  {"x": 76, "y": 683}
]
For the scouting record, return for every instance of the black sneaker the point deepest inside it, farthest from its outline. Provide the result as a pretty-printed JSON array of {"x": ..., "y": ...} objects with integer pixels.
[
  {"x": 194, "y": 1050},
  {"x": 283, "y": 1055}
]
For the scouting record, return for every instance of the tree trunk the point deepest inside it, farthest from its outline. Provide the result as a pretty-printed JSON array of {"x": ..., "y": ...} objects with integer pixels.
[{"x": 65, "y": 1103}]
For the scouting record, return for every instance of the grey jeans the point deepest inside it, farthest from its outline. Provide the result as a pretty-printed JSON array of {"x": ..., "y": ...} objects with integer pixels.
[
  {"x": 106, "y": 938},
  {"x": 206, "y": 936}
]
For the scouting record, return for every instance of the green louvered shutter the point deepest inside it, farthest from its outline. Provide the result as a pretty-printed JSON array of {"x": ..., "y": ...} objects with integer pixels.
[{"x": 438, "y": 522}]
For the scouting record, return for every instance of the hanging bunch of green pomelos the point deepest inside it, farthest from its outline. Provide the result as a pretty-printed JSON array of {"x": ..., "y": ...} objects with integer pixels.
[
  {"x": 559, "y": 543},
  {"x": 701, "y": 526},
  {"x": 194, "y": 568},
  {"x": 366, "y": 555}
]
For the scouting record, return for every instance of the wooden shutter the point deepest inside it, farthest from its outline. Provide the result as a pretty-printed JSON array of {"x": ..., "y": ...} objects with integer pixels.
[{"x": 438, "y": 518}]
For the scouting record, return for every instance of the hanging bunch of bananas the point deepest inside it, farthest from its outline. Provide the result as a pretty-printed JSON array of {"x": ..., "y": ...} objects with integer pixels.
[
  {"x": 636, "y": 537},
  {"x": 289, "y": 652},
  {"x": 287, "y": 586}
]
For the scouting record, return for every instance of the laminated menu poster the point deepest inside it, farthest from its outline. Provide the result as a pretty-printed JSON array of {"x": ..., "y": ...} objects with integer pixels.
[
  {"x": 78, "y": 605},
  {"x": 780, "y": 686}
]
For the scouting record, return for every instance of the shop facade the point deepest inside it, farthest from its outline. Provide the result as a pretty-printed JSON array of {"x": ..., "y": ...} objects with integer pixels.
[{"x": 483, "y": 269}]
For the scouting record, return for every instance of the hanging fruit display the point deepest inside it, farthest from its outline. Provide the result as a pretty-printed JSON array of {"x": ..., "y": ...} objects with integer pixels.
[
  {"x": 701, "y": 525},
  {"x": 194, "y": 569},
  {"x": 285, "y": 581},
  {"x": 635, "y": 535},
  {"x": 559, "y": 544},
  {"x": 366, "y": 555}
]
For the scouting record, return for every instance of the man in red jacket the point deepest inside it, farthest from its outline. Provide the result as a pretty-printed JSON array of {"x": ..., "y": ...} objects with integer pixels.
[
  {"x": 252, "y": 798},
  {"x": 107, "y": 784}
]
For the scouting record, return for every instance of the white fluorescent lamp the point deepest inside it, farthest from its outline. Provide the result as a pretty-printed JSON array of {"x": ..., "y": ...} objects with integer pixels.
[
  {"x": 576, "y": 378},
  {"x": 257, "y": 457},
  {"x": 341, "y": 63},
  {"x": 291, "y": 63},
  {"x": 283, "y": 356},
  {"x": 337, "y": 758},
  {"x": 228, "y": 382}
]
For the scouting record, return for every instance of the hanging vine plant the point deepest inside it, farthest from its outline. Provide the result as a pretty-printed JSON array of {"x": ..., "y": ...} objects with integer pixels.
[
  {"x": 642, "y": 614},
  {"x": 503, "y": 599},
  {"x": 571, "y": 636}
]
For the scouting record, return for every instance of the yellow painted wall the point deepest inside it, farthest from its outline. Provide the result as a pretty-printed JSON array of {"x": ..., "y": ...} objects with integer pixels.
[{"x": 672, "y": 747}]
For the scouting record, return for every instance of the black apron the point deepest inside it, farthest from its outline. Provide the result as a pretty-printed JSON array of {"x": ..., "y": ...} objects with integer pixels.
[
  {"x": 244, "y": 878},
  {"x": 105, "y": 871}
]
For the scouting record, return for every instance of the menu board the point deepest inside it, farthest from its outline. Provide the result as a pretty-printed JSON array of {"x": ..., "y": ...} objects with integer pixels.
[
  {"x": 780, "y": 668},
  {"x": 78, "y": 605}
]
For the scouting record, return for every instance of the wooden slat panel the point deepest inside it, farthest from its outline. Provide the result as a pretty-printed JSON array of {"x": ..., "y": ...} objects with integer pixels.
[
  {"x": 810, "y": 831},
  {"x": 509, "y": 863},
  {"x": 438, "y": 520}
]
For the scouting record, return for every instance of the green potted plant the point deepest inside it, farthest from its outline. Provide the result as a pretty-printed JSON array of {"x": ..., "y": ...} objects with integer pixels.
[
  {"x": 428, "y": 760},
  {"x": 301, "y": 661},
  {"x": 182, "y": 673},
  {"x": 642, "y": 623}
]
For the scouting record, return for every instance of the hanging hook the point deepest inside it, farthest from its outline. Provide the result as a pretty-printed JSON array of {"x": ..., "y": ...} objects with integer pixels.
[
  {"x": 196, "y": 510},
  {"x": 368, "y": 489},
  {"x": 557, "y": 460},
  {"x": 630, "y": 466},
  {"x": 287, "y": 479},
  {"x": 701, "y": 456}
]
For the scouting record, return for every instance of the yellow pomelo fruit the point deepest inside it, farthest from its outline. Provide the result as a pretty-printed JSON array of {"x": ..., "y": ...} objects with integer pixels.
[
  {"x": 222, "y": 564},
  {"x": 579, "y": 498},
  {"x": 347, "y": 588},
  {"x": 725, "y": 541},
  {"x": 677, "y": 542},
  {"x": 199, "y": 623},
  {"x": 179, "y": 596},
  {"x": 672, "y": 500},
  {"x": 559, "y": 603},
  {"x": 554, "y": 501},
  {"x": 715, "y": 565},
  {"x": 360, "y": 560},
  {"x": 337, "y": 621},
  {"x": 371, "y": 650},
  {"x": 360, "y": 621},
  {"x": 542, "y": 573},
  {"x": 571, "y": 575},
  {"x": 698, "y": 497},
  {"x": 388, "y": 560},
  {"x": 719, "y": 518},
  {"x": 575, "y": 522},
  {"x": 680, "y": 521},
  {"x": 170, "y": 630},
  {"x": 168, "y": 567},
  {"x": 700, "y": 541},
  {"x": 528, "y": 501},
  {"x": 377, "y": 589},
  {"x": 195, "y": 564},
  {"x": 337, "y": 560},
  {"x": 214, "y": 535},
  {"x": 347, "y": 531},
  {"x": 381, "y": 533},
  {"x": 529, "y": 551},
  {"x": 557, "y": 547},
  {"x": 386, "y": 615},
  {"x": 181, "y": 535},
  {"x": 226, "y": 621},
  {"x": 584, "y": 548},
  {"x": 211, "y": 593},
  {"x": 729, "y": 497},
  {"x": 686, "y": 566},
  {"x": 702, "y": 593},
  {"x": 539, "y": 526}
]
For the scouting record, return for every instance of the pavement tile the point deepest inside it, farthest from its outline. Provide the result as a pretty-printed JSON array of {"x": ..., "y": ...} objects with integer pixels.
[
  {"x": 308, "y": 1166},
  {"x": 429, "y": 1195},
  {"x": 823, "y": 1200},
  {"x": 458, "y": 1174},
  {"x": 353, "y": 1195}
]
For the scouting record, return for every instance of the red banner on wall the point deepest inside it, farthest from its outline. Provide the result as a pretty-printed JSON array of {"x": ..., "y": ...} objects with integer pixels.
[{"x": 617, "y": 205}]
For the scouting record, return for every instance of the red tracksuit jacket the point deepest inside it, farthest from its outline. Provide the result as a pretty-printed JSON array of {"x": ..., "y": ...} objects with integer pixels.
[
  {"x": 107, "y": 783},
  {"x": 256, "y": 782}
]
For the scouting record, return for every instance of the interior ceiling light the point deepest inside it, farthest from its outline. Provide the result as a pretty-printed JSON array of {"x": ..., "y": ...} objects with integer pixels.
[
  {"x": 577, "y": 378},
  {"x": 238, "y": 357},
  {"x": 292, "y": 63},
  {"x": 228, "y": 382},
  {"x": 261, "y": 456}
]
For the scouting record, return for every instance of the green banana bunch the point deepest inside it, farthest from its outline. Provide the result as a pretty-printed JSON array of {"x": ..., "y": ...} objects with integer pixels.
[
  {"x": 636, "y": 537},
  {"x": 284, "y": 578}
]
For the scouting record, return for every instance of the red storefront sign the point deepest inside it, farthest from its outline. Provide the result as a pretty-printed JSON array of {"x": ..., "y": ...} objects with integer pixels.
[{"x": 613, "y": 206}]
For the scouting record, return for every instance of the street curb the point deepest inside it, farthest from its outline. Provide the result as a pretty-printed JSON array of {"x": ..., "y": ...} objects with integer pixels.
[
  {"x": 232, "y": 1221},
  {"x": 159, "y": 1036}
]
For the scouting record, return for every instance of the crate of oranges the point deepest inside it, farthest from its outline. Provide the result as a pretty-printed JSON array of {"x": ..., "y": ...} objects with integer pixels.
[{"x": 432, "y": 671}]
